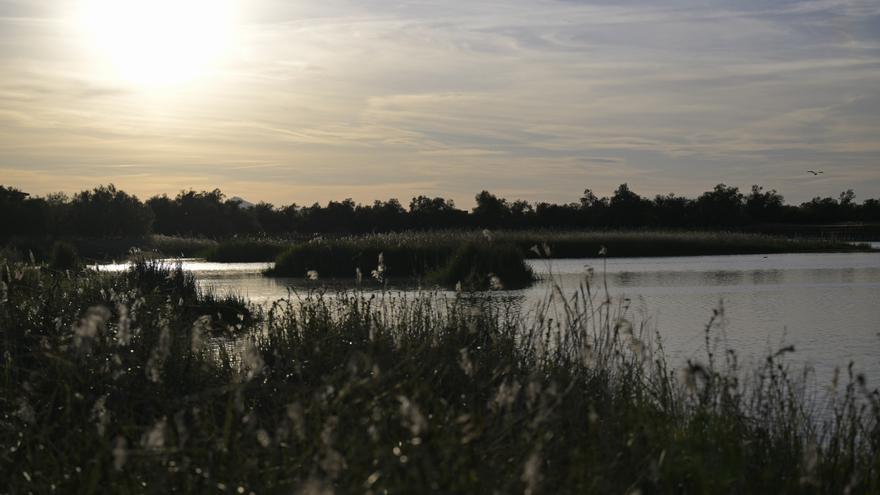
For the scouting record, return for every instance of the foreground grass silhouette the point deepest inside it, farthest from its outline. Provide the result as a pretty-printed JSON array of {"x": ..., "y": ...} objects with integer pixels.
[{"x": 137, "y": 383}]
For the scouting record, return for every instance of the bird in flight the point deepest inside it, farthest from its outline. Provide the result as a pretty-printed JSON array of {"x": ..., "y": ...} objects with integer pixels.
[{"x": 814, "y": 172}]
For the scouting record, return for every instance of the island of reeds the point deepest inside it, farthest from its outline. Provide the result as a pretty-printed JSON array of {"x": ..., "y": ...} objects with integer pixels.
[{"x": 139, "y": 382}]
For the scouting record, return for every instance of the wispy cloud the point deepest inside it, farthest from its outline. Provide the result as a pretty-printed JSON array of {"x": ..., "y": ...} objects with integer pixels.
[{"x": 533, "y": 98}]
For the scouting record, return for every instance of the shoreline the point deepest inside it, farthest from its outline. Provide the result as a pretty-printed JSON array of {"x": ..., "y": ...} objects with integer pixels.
[{"x": 563, "y": 244}]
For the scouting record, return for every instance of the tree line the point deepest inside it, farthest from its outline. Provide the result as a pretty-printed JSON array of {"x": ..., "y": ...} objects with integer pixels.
[{"x": 106, "y": 211}]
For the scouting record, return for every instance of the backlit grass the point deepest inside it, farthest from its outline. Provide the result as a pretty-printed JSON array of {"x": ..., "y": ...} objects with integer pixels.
[{"x": 110, "y": 383}]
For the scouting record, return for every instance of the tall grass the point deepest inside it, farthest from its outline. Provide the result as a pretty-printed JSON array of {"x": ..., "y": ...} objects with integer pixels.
[
  {"x": 625, "y": 244},
  {"x": 403, "y": 256},
  {"x": 422, "y": 248},
  {"x": 349, "y": 393},
  {"x": 113, "y": 248},
  {"x": 450, "y": 262},
  {"x": 246, "y": 250},
  {"x": 484, "y": 266},
  {"x": 414, "y": 253},
  {"x": 179, "y": 247}
]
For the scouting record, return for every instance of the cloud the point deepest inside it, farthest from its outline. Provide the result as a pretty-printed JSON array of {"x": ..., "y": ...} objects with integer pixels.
[{"x": 539, "y": 98}]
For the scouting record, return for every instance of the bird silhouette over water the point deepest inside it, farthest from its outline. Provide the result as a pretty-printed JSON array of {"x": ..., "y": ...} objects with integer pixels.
[{"x": 814, "y": 172}]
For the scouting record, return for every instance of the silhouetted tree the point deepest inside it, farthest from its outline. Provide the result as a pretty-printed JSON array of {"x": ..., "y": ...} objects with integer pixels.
[
  {"x": 165, "y": 215},
  {"x": 552, "y": 215},
  {"x": 491, "y": 211},
  {"x": 870, "y": 211},
  {"x": 720, "y": 207},
  {"x": 336, "y": 217},
  {"x": 433, "y": 213},
  {"x": 522, "y": 214},
  {"x": 672, "y": 211},
  {"x": 20, "y": 214},
  {"x": 764, "y": 206},
  {"x": 627, "y": 209},
  {"x": 105, "y": 211},
  {"x": 269, "y": 220},
  {"x": 382, "y": 216},
  {"x": 593, "y": 210},
  {"x": 820, "y": 210}
]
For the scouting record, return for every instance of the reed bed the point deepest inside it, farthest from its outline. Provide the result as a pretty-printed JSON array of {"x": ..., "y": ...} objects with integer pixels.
[
  {"x": 113, "y": 385},
  {"x": 625, "y": 244},
  {"x": 246, "y": 250},
  {"x": 427, "y": 248},
  {"x": 477, "y": 258},
  {"x": 476, "y": 264}
]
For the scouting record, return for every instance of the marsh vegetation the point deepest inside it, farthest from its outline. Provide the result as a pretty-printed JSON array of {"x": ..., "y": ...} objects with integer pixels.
[
  {"x": 133, "y": 382},
  {"x": 450, "y": 257}
]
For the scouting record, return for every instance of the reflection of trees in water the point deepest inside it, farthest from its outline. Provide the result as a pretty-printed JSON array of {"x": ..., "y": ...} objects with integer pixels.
[
  {"x": 626, "y": 279},
  {"x": 723, "y": 277},
  {"x": 766, "y": 276}
]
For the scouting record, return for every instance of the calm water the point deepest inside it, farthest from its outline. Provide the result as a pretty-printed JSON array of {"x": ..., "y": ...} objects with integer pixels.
[{"x": 826, "y": 305}]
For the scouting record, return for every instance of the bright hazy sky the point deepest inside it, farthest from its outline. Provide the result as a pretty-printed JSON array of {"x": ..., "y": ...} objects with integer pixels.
[{"x": 303, "y": 101}]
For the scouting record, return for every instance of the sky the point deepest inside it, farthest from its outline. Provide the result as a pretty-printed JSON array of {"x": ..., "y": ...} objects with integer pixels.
[{"x": 292, "y": 101}]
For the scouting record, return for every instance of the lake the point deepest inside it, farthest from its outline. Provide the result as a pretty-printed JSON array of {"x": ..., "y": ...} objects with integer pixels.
[{"x": 826, "y": 305}]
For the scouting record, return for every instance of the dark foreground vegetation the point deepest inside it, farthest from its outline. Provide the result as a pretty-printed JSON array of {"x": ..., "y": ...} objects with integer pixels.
[
  {"x": 113, "y": 383},
  {"x": 108, "y": 212}
]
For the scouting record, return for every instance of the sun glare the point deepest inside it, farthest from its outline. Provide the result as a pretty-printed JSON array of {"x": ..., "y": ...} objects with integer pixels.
[{"x": 158, "y": 42}]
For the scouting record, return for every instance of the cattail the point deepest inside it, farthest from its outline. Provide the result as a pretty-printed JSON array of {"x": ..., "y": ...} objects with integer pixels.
[
  {"x": 379, "y": 272},
  {"x": 506, "y": 394},
  {"x": 314, "y": 486},
  {"x": 100, "y": 415},
  {"x": 465, "y": 362},
  {"x": 25, "y": 411},
  {"x": 158, "y": 356},
  {"x": 201, "y": 327},
  {"x": 412, "y": 416},
  {"x": 123, "y": 330},
  {"x": 251, "y": 360},
  {"x": 263, "y": 438},
  {"x": 89, "y": 327},
  {"x": 154, "y": 438},
  {"x": 180, "y": 427},
  {"x": 296, "y": 416},
  {"x": 532, "y": 472},
  {"x": 120, "y": 452}
]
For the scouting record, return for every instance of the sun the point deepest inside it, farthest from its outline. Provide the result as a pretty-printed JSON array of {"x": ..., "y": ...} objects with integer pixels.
[{"x": 157, "y": 42}]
